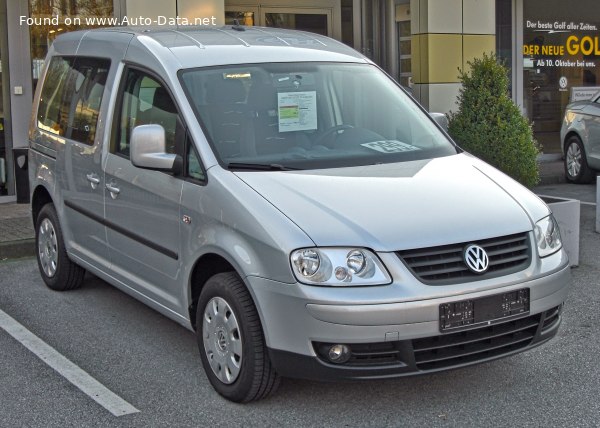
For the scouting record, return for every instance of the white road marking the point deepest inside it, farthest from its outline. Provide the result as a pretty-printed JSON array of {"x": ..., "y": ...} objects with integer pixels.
[
  {"x": 587, "y": 203},
  {"x": 69, "y": 370}
]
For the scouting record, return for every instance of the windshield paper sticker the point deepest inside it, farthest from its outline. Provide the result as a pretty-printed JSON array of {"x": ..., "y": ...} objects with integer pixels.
[
  {"x": 297, "y": 111},
  {"x": 390, "y": 146}
]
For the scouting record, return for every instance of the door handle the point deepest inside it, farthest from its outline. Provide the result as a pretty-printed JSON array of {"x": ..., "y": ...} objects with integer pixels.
[
  {"x": 113, "y": 189},
  {"x": 93, "y": 179}
]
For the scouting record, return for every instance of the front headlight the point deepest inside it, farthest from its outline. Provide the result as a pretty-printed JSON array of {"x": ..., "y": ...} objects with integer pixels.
[
  {"x": 547, "y": 236},
  {"x": 338, "y": 267}
]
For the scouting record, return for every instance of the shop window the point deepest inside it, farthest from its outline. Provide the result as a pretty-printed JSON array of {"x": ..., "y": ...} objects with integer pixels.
[
  {"x": 311, "y": 22},
  {"x": 404, "y": 45},
  {"x": 68, "y": 15},
  {"x": 560, "y": 54},
  {"x": 246, "y": 18},
  {"x": 504, "y": 31},
  {"x": 348, "y": 22}
]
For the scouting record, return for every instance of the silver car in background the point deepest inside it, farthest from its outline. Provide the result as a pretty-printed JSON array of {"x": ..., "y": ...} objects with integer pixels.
[
  {"x": 278, "y": 194},
  {"x": 580, "y": 137}
]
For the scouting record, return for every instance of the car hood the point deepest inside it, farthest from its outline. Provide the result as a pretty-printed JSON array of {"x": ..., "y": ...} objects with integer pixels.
[
  {"x": 578, "y": 105},
  {"x": 400, "y": 206}
]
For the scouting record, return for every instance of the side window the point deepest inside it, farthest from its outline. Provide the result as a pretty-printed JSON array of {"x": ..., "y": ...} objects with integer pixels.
[
  {"x": 89, "y": 79},
  {"x": 194, "y": 168},
  {"x": 71, "y": 97},
  {"x": 145, "y": 101},
  {"x": 53, "y": 107}
]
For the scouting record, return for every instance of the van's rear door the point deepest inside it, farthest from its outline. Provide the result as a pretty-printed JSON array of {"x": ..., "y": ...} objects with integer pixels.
[{"x": 84, "y": 107}]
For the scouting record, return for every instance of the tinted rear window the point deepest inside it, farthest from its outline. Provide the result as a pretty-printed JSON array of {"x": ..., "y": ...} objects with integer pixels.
[{"x": 71, "y": 97}]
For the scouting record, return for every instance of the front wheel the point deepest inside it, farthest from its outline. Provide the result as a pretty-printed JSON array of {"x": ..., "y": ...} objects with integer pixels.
[
  {"x": 57, "y": 270},
  {"x": 576, "y": 166},
  {"x": 231, "y": 341}
]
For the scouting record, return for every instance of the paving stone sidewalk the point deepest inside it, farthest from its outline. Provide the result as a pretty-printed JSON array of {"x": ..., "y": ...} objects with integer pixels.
[{"x": 16, "y": 231}]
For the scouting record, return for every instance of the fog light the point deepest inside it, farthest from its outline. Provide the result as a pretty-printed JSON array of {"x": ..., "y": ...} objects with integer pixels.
[{"x": 339, "y": 354}]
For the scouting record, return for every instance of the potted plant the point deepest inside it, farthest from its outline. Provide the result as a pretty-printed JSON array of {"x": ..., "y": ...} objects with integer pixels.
[{"x": 490, "y": 125}]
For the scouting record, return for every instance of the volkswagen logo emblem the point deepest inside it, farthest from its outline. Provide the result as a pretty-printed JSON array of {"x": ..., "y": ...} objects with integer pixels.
[{"x": 476, "y": 259}]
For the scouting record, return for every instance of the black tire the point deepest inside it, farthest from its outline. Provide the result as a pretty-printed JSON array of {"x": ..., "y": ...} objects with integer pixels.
[
  {"x": 62, "y": 274},
  {"x": 576, "y": 166},
  {"x": 256, "y": 378}
]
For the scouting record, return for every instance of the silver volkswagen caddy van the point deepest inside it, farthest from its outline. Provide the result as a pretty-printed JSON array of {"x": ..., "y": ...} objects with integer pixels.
[{"x": 280, "y": 195}]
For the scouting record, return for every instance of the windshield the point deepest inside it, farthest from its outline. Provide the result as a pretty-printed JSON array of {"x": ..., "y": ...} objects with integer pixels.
[{"x": 309, "y": 115}]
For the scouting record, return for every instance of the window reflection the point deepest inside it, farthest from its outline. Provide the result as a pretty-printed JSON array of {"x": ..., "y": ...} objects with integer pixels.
[
  {"x": 70, "y": 101},
  {"x": 243, "y": 18},
  {"x": 552, "y": 67},
  {"x": 312, "y": 22},
  {"x": 72, "y": 15}
]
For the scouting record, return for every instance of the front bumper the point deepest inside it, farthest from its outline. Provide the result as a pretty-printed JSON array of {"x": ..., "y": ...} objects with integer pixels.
[
  {"x": 419, "y": 356},
  {"x": 296, "y": 317}
]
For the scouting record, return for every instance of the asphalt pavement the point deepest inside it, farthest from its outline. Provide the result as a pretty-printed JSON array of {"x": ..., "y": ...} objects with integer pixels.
[{"x": 153, "y": 364}]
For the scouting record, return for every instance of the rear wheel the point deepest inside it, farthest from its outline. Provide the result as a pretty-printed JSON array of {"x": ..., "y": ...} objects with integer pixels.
[
  {"x": 576, "y": 166},
  {"x": 57, "y": 270},
  {"x": 231, "y": 342}
]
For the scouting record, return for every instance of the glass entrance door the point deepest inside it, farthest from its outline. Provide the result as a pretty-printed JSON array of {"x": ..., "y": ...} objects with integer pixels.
[
  {"x": 317, "y": 20},
  {"x": 314, "y": 20},
  {"x": 244, "y": 15}
]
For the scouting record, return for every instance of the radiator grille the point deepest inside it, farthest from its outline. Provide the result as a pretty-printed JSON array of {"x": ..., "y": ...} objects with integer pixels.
[{"x": 444, "y": 265}]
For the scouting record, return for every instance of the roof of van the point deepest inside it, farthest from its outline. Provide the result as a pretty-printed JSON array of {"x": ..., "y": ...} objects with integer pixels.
[{"x": 201, "y": 46}]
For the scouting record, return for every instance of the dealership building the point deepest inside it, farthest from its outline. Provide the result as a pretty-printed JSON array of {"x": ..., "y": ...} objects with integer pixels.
[{"x": 550, "y": 47}]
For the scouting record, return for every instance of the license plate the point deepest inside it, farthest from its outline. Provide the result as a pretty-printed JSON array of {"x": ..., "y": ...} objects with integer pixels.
[{"x": 486, "y": 310}]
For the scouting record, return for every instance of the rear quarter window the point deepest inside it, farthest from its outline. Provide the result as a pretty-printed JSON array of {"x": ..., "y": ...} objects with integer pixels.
[{"x": 71, "y": 97}]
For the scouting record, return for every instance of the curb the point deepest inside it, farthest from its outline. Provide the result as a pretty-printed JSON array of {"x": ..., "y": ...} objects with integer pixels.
[{"x": 17, "y": 249}]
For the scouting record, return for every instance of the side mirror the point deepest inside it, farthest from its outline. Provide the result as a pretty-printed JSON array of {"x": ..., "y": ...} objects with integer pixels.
[
  {"x": 441, "y": 120},
  {"x": 147, "y": 150}
]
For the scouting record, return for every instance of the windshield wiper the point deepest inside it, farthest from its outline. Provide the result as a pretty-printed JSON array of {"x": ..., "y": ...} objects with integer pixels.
[{"x": 259, "y": 167}]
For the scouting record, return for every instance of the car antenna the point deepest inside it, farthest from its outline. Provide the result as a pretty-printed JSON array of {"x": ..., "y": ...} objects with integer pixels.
[{"x": 236, "y": 25}]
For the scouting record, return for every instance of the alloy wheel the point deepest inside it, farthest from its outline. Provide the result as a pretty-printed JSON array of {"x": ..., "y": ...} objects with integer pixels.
[{"x": 574, "y": 159}]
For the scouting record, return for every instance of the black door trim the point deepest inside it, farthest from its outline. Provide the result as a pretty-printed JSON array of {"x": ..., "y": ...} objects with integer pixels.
[{"x": 120, "y": 229}]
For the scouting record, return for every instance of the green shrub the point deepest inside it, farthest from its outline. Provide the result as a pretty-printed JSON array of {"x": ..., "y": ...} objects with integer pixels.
[{"x": 489, "y": 125}]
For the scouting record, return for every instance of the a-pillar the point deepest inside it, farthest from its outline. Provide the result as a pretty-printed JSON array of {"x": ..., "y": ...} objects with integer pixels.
[{"x": 446, "y": 34}]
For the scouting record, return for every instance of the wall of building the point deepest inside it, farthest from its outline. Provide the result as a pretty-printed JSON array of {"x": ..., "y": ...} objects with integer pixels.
[
  {"x": 21, "y": 89},
  {"x": 5, "y": 118},
  {"x": 446, "y": 34}
]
